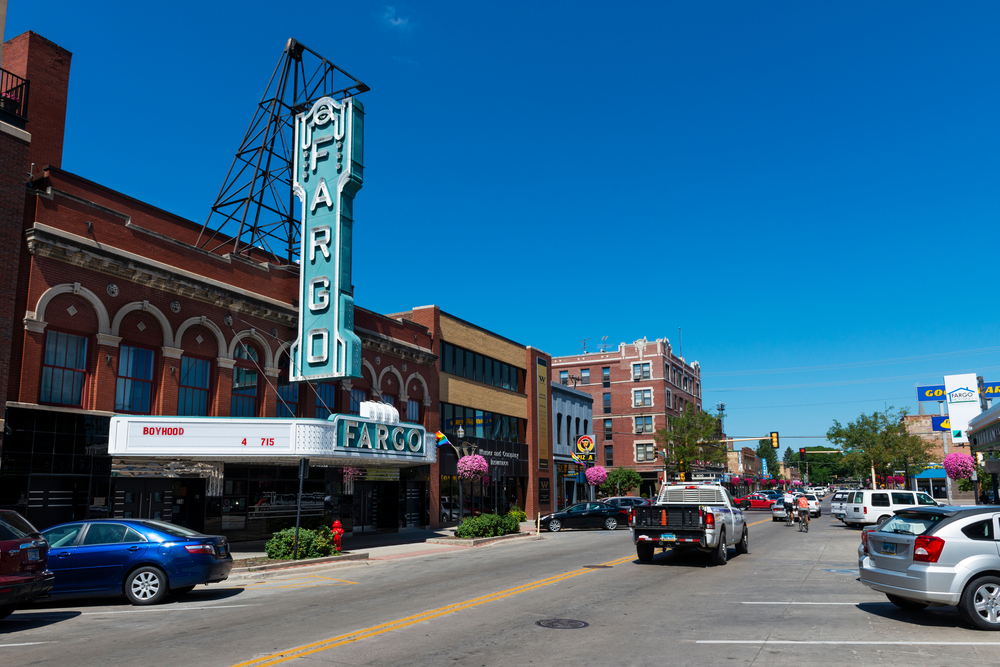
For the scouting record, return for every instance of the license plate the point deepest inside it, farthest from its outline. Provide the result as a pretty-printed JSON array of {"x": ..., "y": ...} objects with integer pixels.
[
  {"x": 889, "y": 548},
  {"x": 668, "y": 537},
  {"x": 32, "y": 554}
]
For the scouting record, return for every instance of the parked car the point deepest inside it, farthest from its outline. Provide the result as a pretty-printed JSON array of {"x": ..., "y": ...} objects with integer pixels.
[
  {"x": 586, "y": 515},
  {"x": 838, "y": 503},
  {"x": 756, "y": 500},
  {"x": 873, "y": 506},
  {"x": 24, "y": 573},
  {"x": 449, "y": 511},
  {"x": 141, "y": 559},
  {"x": 625, "y": 501},
  {"x": 937, "y": 556}
]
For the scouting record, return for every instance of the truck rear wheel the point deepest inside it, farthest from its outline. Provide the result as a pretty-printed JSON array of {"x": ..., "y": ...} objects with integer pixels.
[
  {"x": 645, "y": 551},
  {"x": 721, "y": 553},
  {"x": 743, "y": 546}
]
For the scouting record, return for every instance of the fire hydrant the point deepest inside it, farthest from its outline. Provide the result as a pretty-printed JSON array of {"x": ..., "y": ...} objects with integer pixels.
[{"x": 338, "y": 532}]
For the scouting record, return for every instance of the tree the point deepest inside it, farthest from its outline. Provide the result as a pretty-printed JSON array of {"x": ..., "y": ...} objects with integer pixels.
[
  {"x": 879, "y": 443},
  {"x": 691, "y": 437},
  {"x": 767, "y": 453},
  {"x": 788, "y": 457},
  {"x": 621, "y": 480}
]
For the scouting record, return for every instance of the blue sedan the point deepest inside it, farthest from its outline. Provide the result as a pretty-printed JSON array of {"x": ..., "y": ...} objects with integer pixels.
[{"x": 142, "y": 559}]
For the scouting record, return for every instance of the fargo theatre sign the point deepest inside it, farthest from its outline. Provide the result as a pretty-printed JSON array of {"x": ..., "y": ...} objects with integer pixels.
[{"x": 326, "y": 174}]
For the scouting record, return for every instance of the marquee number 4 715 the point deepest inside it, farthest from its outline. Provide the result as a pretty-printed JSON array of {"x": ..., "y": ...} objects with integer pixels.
[{"x": 264, "y": 442}]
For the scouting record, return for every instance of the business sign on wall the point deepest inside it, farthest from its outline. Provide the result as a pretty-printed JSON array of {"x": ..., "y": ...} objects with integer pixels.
[
  {"x": 940, "y": 424},
  {"x": 585, "y": 449},
  {"x": 542, "y": 374},
  {"x": 326, "y": 174},
  {"x": 936, "y": 392},
  {"x": 962, "y": 394}
]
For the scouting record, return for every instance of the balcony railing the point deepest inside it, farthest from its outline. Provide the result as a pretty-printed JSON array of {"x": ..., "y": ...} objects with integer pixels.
[{"x": 14, "y": 94}]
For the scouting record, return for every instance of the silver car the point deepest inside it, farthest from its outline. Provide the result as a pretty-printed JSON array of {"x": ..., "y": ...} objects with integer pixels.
[{"x": 937, "y": 556}]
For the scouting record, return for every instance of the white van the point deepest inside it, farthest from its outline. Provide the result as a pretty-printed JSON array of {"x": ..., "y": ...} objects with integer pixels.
[{"x": 871, "y": 506}]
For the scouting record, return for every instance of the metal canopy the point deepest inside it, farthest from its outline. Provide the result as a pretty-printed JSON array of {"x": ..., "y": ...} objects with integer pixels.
[{"x": 254, "y": 215}]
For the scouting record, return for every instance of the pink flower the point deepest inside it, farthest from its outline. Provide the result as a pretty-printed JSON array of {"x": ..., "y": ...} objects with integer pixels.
[
  {"x": 959, "y": 465},
  {"x": 596, "y": 475},
  {"x": 472, "y": 467}
]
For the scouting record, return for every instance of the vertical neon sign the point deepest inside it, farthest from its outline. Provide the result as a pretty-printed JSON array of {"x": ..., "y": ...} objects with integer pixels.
[{"x": 327, "y": 173}]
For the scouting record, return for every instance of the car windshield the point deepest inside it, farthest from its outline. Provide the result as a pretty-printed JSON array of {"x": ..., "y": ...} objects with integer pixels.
[
  {"x": 812, "y": 498},
  {"x": 910, "y": 524},
  {"x": 172, "y": 529},
  {"x": 13, "y": 527}
]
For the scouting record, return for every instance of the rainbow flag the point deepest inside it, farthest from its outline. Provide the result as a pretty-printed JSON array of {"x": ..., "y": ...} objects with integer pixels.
[
  {"x": 576, "y": 458},
  {"x": 441, "y": 438}
]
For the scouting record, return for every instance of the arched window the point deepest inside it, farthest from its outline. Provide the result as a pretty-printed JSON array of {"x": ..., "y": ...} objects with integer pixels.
[
  {"x": 288, "y": 392},
  {"x": 134, "y": 388},
  {"x": 64, "y": 369},
  {"x": 559, "y": 428},
  {"x": 585, "y": 425},
  {"x": 194, "y": 386},
  {"x": 326, "y": 399},
  {"x": 246, "y": 377}
]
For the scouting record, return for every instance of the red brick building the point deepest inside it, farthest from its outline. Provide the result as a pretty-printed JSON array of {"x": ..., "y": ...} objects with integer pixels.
[
  {"x": 635, "y": 389},
  {"x": 112, "y": 308}
]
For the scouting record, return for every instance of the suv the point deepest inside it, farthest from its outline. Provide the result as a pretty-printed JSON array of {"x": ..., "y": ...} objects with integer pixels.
[
  {"x": 625, "y": 501},
  {"x": 838, "y": 503},
  {"x": 24, "y": 559},
  {"x": 937, "y": 556},
  {"x": 873, "y": 506}
]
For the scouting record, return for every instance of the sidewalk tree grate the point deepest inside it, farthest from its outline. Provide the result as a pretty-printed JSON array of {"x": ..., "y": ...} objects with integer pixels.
[{"x": 562, "y": 624}]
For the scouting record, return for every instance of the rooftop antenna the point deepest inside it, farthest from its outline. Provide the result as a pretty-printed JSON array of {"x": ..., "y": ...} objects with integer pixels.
[
  {"x": 584, "y": 342},
  {"x": 604, "y": 343},
  {"x": 255, "y": 212}
]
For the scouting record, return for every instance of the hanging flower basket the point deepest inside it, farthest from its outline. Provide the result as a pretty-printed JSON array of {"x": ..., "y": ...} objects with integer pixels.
[
  {"x": 472, "y": 467},
  {"x": 735, "y": 480},
  {"x": 796, "y": 483},
  {"x": 959, "y": 465},
  {"x": 596, "y": 475}
]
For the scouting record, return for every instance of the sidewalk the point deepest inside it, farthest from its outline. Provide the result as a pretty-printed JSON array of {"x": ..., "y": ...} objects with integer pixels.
[{"x": 374, "y": 546}]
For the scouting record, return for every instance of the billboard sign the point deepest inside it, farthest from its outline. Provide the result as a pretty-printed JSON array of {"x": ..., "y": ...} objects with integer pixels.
[
  {"x": 940, "y": 424},
  {"x": 962, "y": 394},
  {"x": 930, "y": 392},
  {"x": 326, "y": 174}
]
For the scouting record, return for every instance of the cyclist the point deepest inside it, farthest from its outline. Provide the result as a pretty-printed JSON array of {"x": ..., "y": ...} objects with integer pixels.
[
  {"x": 788, "y": 500},
  {"x": 803, "y": 512}
]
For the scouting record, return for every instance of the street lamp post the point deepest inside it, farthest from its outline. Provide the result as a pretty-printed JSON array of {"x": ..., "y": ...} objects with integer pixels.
[{"x": 461, "y": 485}]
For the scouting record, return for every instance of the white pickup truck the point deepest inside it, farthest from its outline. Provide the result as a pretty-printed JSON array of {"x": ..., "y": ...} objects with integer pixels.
[{"x": 694, "y": 516}]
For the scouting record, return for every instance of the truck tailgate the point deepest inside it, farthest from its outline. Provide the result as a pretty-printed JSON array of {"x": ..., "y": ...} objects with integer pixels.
[{"x": 668, "y": 516}]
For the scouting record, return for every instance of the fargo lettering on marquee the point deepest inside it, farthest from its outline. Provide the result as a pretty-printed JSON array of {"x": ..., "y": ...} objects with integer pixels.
[
  {"x": 399, "y": 439},
  {"x": 326, "y": 175}
]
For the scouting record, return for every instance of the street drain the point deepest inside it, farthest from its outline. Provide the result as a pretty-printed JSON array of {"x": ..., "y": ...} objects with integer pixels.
[
  {"x": 597, "y": 567},
  {"x": 562, "y": 624}
]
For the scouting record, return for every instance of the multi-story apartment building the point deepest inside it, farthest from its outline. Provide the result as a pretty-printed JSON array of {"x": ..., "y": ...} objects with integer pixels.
[{"x": 635, "y": 389}]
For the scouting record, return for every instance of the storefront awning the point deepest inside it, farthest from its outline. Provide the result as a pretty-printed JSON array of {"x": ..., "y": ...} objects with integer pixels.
[{"x": 932, "y": 473}]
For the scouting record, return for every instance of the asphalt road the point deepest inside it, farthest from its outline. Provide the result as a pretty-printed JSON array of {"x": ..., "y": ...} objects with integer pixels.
[{"x": 794, "y": 600}]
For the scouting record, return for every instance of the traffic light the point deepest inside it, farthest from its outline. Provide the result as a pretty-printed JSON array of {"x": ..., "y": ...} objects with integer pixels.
[
  {"x": 682, "y": 477},
  {"x": 802, "y": 453},
  {"x": 774, "y": 439}
]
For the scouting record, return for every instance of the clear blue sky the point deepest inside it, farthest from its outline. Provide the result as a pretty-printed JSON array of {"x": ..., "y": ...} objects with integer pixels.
[{"x": 796, "y": 185}]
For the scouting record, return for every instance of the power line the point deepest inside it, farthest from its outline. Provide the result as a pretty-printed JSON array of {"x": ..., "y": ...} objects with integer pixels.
[
  {"x": 854, "y": 364},
  {"x": 809, "y": 405}
]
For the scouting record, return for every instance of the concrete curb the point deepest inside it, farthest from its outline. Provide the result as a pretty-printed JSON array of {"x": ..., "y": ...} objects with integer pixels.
[
  {"x": 313, "y": 564},
  {"x": 480, "y": 540}
]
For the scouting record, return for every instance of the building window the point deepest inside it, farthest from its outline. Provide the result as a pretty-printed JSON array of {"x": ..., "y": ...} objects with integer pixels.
[
  {"x": 585, "y": 376},
  {"x": 288, "y": 392},
  {"x": 577, "y": 427},
  {"x": 64, "y": 369},
  {"x": 559, "y": 428},
  {"x": 413, "y": 411},
  {"x": 134, "y": 389},
  {"x": 245, "y": 378},
  {"x": 644, "y": 424},
  {"x": 326, "y": 398},
  {"x": 609, "y": 455},
  {"x": 607, "y": 429},
  {"x": 642, "y": 398},
  {"x": 697, "y": 389},
  {"x": 585, "y": 423},
  {"x": 563, "y": 377},
  {"x": 666, "y": 397},
  {"x": 358, "y": 396},
  {"x": 607, "y": 404},
  {"x": 192, "y": 395},
  {"x": 645, "y": 453},
  {"x": 640, "y": 371},
  {"x": 606, "y": 376}
]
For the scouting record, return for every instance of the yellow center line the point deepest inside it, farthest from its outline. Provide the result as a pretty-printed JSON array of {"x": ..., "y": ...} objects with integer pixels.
[
  {"x": 334, "y": 642},
  {"x": 761, "y": 521}
]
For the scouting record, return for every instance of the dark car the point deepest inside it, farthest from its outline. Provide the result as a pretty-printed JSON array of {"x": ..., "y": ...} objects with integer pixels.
[
  {"x": 586, "y": 515},
  {"x": 625, "y": 501},
  {"x": 24, "y": 573},
  {"x": 141, "y": 559}
]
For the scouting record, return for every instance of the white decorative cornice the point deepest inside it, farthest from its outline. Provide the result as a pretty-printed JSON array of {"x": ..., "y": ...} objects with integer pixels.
[
  {"x": 31, "y": 324},
  {"x": 172, "y": 352},
  {"x": 108, "y": 339},
  {"x": 222, "y": 362},
  {"x": 272, "y": 372}
]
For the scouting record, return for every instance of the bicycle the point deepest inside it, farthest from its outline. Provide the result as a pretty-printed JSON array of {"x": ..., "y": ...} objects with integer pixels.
[
  {"x": 788, "y": 515},
  {"x": 803, "y": 520}
]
